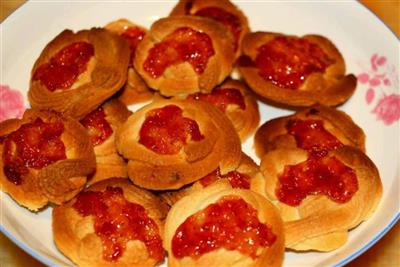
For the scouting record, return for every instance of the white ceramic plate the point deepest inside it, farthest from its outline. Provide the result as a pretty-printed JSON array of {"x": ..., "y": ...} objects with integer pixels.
[{"x": 371, "y": 51}]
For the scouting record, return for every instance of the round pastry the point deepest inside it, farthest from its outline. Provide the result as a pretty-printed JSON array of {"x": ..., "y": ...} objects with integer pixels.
[
  {"x": 237, "y": 102},
  {"x": 185, "y": 54},
  {"x": 135, "y": 89},
  {"x": 222, "y": 11},
  {"x": 112, "y": 223},
  {"x": 77, "y": 72},
  {"x": 221, "y": 226},
  {"x": 44, "y": 158},
  {"x": 321, "y": 198},
  {"x": 241, "y": 177},
  {"x": 101, "y": 125},
  {"x": 295, "y": 71},
  {"x": 315, "y": 129},
  {"x": 170, "y": 143}
]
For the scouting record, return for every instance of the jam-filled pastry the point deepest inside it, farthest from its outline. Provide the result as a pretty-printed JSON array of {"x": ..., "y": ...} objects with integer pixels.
[
  {"x": 318, "y": 128},
  {"x": 295, "y": 71},
  {"x": 135, "y": 89},
  {"x": 111, "y": 223},
  {"x": 185, "y": 54},
  {"x": 171, "y": 143},
  {"x": 223, "y": 11},
  {"x": 77, "y": 72},
  {"x": 221, "y": 226},
  {"x": 101, "y": 124},
  {"x": 240, "y": 177},
  {"x": 44, "y": 158},
  {"x": 321, "y": 197},
  {"x": 237, "y": 102}
]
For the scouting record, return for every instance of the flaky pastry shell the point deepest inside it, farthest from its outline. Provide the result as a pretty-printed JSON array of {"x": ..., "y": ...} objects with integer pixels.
[
  {"x": 181, "y": 78},
  {"x": 320, "y": 223},
  {"x": 105, "y": 74},
  {"x": 219, "y": 147},
  {"x": 267, "y": 214},
  {"x": 191, "y": 7},
  {"x": 273, "y": 133},
  {"x": 58, "y": 181},
  {"x": 135, "y": 89},
  {"x": 330, "y": 88},
  {"x": 108, "y": 162},
  {"x": 75, "y": 236}
]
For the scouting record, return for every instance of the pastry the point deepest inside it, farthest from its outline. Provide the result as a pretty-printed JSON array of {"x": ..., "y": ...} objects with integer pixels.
[
  {"x": 241, "y": 177},
  {"x": 185, "y": 54},
  {"x": 295, "y": 71},
  {"x": 221, "y": 226},
  {"x": 321, "y": 198},
  {"x": 112, "y": 223},
  {"x": 223, "y": 11},
  {"x": 77, "y": 72},
  {"x": 44, "y": 158},
  {"x": 316, "y": 128},
  {"x": 135, "y": 89},
  {"x": 237, "y": 102},
  {"x": 170, "y": 143},
  {"x": 101, "y": 125}
]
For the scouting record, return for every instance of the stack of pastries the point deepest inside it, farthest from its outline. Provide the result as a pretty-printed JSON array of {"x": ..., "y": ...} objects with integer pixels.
[{"x": 171, "y": 179}]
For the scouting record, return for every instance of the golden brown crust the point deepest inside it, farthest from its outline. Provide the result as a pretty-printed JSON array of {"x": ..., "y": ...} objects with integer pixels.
[
  {"x": 330, "y": 88},
  {"x": 105, "y": 74},
  {"x": 135, "y": 89},
  {"x": 108, "y": 162},
  {"x": 267, "y": 213},
  {"x": 273, "y": 134},
  {"x": 182, "y": 78},
  {"x": 219, "y": 147},
  {"x": 59, "y": 181},
  {"x": 75, "y": 237},
  {"x": 319, "y": 223},
  {"x": 190, "y": 7}
]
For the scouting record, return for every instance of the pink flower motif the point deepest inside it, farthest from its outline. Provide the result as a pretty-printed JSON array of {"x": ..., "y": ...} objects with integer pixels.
[
  {"x": 388, "y": 109},
  {"x": 363, "y": 78},
  {"x": 12, "y": 103},
  {"x": 369, "y": 96}
]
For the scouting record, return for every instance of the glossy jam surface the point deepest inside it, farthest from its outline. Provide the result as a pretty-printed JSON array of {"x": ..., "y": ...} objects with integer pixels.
[
  {"x": 288, "y": 61},
  {"x": 134, "y": 35},
  {"x": 64, "y": 68},
  {"x": 166, "y": 131},
  {"x": 311, "y": 135},
  {"x": 34, "y": 145},
  {"x": 97, "y": 126},
  {"x": 228, "y": 19},
  {"x": 236, "y": 179},
  {"x": 326, "y": 175},
  {"x": 230, "y": 223},
  {"x": 221, "y": 98},
  {"x": 182, "y": 45},
  {"x": 117, "y": 221}
]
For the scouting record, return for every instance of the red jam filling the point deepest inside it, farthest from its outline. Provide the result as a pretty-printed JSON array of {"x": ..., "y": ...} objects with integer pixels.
[
  {"x": 64, "y": 68},
  {"x": 311, "y": 135},
  {"x": 326, "y": 175},
  {"x": 165, "y": 131},
  {"x": 182, "y": 45},
  {"x": 134, "y": 35},
  {"x": 33, "y": 145},
  {"x": 288, "y": 61},
  {"x": 236, "y": 179},
  {"x": 230, "y": 223},
  {"x": 117, "y": 221},
  {"x": 97, "y": 126},
  {"x": 228, "y": 19},
  {"x": 221, "y": 98}
]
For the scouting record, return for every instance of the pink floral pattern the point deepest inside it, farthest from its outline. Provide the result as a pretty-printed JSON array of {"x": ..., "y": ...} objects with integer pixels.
[
  {"x": 380, "y": 78},
  {"x": 11, "y": 103}
]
